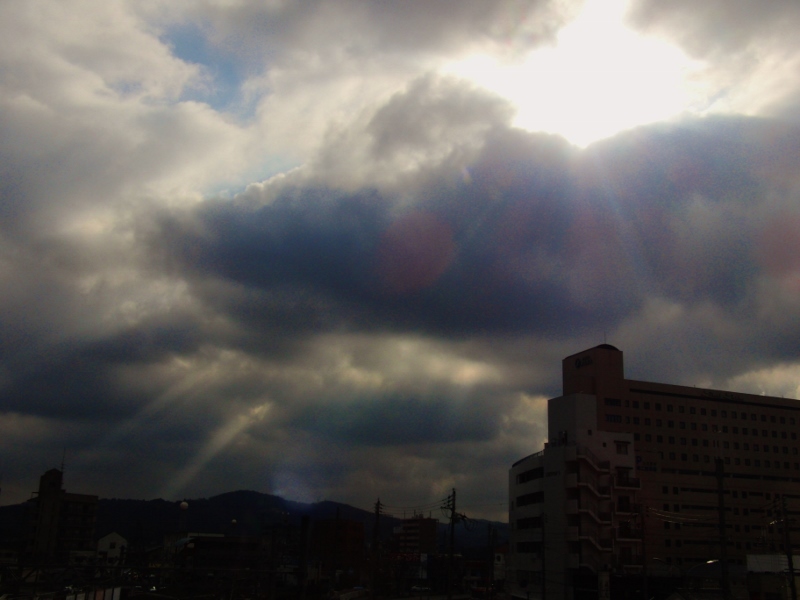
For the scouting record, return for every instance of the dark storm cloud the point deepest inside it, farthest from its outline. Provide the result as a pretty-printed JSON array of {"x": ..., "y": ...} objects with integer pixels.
[
  {"x": 536, "y": 237},
  {"x": 81, "y": 379},
  {"x": 402, "y": 419}
]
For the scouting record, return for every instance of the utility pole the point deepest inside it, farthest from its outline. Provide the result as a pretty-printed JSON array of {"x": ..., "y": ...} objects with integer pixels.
[
  {"x": 375, "y": 553},
  {"x": 723, "y": 535},
  {"x": 787, "y": 544},
  {"x": 645, "y": 591},
  {"x": 544, "y": 554},
  {"x": 451, "y": 506}
]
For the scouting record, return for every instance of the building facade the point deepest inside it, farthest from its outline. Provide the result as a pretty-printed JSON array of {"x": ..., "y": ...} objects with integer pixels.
[
  {"x": 649, "y": 478},
  {"x": 417, "y": 535},
  {"x": 61, "y": 525}
]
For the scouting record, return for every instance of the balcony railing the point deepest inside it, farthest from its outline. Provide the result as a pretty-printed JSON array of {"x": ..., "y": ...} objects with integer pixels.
[
  {"x": 600, "y": 465},
  {"x": 625, "y": 532},
  {"x": 623, "y": 481},
  {"x": 628, "y": 509}
]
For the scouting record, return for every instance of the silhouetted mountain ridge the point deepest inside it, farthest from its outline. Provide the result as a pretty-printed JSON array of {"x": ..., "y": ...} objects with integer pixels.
[{"x": 243, "y": 512}]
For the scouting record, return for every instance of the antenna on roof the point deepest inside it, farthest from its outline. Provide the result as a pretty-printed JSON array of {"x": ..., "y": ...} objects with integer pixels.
[{"x": 63, "y": 459}]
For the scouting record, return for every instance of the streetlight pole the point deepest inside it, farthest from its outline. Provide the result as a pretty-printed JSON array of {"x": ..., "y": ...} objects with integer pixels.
[{"x": 723, "y": 535}]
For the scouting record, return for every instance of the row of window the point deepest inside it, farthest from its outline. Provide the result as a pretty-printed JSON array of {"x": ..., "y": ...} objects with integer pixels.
[
  {"x": 713, "y": 412},
  {"x": 530, "y": 475},
  {"x": 726, "y": 445},
  {"x": 613, "y": 418},
  {"x": 534, "y": 498},
  {"x": 747, "y": 462}
]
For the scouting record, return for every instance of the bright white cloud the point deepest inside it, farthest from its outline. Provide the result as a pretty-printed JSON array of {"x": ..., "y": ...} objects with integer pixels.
[{"x": 597, "y": 79}]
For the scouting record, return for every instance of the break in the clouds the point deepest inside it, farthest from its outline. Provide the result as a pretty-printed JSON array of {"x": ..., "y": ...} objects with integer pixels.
[{"x": 311, "y": 249}]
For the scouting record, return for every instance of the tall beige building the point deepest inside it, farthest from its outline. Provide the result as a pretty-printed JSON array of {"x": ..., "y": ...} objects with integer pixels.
[{"x": 634, "y": 475}]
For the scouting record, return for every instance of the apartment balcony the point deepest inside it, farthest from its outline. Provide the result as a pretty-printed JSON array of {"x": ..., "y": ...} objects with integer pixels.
[
  {"x": 628, "y": 509},
  {"x": 627, "y": 533},
  {"x": 589, "y": 456},
  {"x": 573, "y": 561},
  {"x": 632, "y": 483},
  {"x": 591, "y": 483},
  {"x": 571, "y": 480},
  {"x": 571, "y": 507},
  {"x": 572, "y": 534}
]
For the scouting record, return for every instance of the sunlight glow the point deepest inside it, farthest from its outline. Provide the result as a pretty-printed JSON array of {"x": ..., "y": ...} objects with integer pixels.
[{"x": 600, "y": 78}]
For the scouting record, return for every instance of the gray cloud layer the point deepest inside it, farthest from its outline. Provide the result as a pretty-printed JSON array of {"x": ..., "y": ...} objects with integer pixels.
[{"x": 387, "y": 317}]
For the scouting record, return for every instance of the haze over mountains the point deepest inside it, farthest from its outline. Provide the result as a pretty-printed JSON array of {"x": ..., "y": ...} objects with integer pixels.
[{"x": 243, "y": 512}]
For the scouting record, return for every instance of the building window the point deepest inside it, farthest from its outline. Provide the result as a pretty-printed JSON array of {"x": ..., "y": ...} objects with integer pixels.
[
  {"x": 530, "y": 475},
  {"x": 682, "y": 425},
  {"x": 724, "y": 413},
  {"x": 671, "y": 424},
  {"x": 635, "y": 404},
  {"x": 692, "y": 410},
  {"x": 647, "y": 421},
  {"x": 648, "y": 437},
  {"x": 613, "y": 402},
  {"x": 534, "y": 498},
  {"x": 614, "y": 418},
  {"x": 669, "y": 407},
  {"x": 622, "y": 447},
  {"x": 658, "y": 406},
  {"x": 703, "y": 411}
]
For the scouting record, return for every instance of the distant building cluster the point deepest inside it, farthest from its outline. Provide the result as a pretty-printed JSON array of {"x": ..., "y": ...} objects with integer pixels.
[{"x": 59, "y": 553}]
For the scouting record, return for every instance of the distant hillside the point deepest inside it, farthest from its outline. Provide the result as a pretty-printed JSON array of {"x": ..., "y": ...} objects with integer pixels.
[{"x": 144, "y": 522}]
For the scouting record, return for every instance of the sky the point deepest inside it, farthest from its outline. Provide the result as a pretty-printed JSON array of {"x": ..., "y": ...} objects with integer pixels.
[{"x": 337, "y": 249}]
